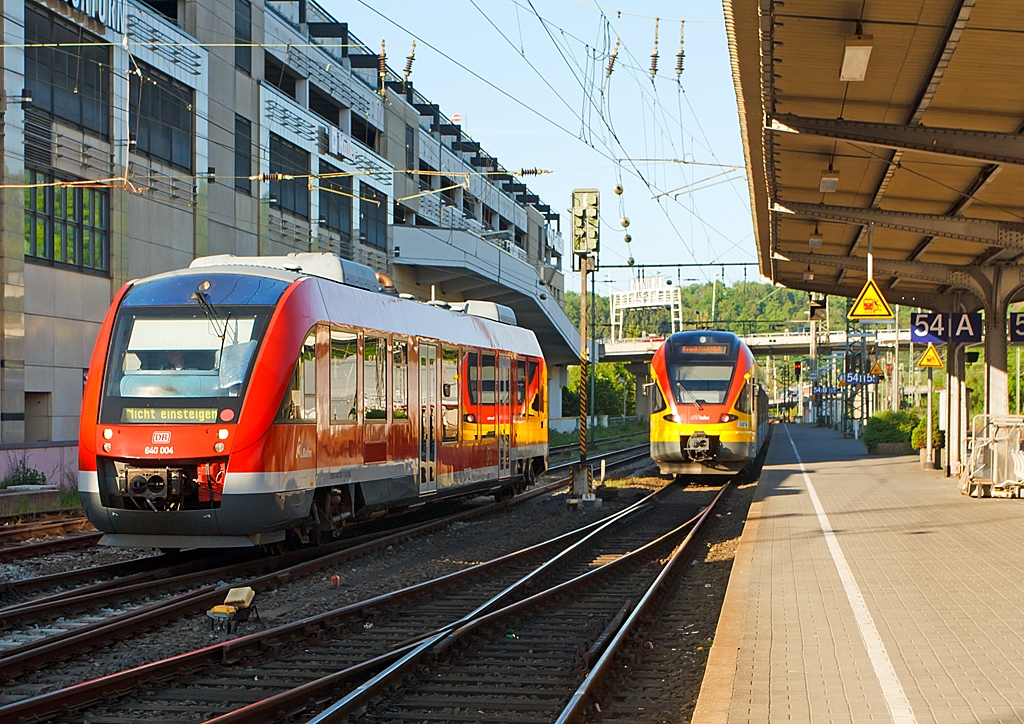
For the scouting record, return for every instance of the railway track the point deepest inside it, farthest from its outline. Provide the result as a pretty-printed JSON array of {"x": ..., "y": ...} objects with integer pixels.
[
  {"x": 257, "y": 677},
  {"x": 36, "y": 632}
]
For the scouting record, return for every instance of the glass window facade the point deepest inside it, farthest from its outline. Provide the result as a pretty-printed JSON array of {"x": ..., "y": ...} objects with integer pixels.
[
  {"x": 67, "y": 225},
  {"x": 373, "y": 217},
  {"x": 243, "y": 36},
  {"x": 243, "y": 154},
  {"x": 72, "y": 82},
  {"x": 161, "y": 121},
  {"x": 336, "y": 201},
  {"x": 291, "y": 195}
]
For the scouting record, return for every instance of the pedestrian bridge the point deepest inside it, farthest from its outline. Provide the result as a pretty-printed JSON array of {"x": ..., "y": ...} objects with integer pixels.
[{"x": 781, "y": 343}]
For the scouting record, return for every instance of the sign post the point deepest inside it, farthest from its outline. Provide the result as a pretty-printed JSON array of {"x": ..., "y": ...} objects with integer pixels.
[
  {"x": 931, "y": 361},
  {"x": 586, "y": 243}
]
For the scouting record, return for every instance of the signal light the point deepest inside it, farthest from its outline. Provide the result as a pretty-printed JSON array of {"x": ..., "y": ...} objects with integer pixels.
[{"x": 796, "y": 370}]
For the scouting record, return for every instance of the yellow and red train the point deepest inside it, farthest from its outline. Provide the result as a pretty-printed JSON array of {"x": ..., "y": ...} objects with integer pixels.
[
  {"x": 245, "y": 399},
  {"x": 710, "y": 410}
]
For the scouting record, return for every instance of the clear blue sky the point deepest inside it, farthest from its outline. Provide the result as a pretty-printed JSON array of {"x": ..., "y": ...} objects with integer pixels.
[{"x": 695, "y": 121}]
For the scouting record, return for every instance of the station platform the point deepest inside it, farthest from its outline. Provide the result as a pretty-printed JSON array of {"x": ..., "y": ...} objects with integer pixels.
[{"x": 866, "y": 589}]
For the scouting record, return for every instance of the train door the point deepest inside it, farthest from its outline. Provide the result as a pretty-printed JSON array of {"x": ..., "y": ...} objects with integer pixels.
[
  {"x": 428, "y": 418},
  {"x": 504, "y": 417}
]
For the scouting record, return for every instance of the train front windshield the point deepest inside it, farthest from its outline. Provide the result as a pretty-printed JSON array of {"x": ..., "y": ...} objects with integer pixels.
[
  {"x": 700, "y": 371},
  {"x": 183, "y": 348}
]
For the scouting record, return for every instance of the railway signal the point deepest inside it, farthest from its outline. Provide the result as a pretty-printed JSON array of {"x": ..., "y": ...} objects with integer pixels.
[
  {"x": 796, "y": 370},
  {"x": 586, "y": 243}
]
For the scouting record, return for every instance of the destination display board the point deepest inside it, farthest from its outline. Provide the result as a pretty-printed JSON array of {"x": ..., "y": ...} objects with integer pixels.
[{"x": 169, "y": 414}]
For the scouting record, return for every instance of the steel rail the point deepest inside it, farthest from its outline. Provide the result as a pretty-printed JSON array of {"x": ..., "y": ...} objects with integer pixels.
[
  {"x": 35, "y": 654},
  {"x": 583, "y": 696},
  {"x": 17, "y": 532},
  {"x": 254, "y": 644},
  {"x": 30, "y": 550},
  {"x": 443, "y": 641}
]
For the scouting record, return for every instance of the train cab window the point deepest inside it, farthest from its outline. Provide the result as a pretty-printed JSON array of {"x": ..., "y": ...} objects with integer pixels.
[
  {"x": 533, "y": 389},
  {"x": 521, "y": 388},
  {"x": 375, "y": 379},
  {"x": 344, "y": 372},
  {"x": 471, "y": 398},
  {"x": 299, "y": 403},
  {"x": 488, "y": 395},
  {"x": 400, "y": 383},
  {"x": 450, "y": 393}
]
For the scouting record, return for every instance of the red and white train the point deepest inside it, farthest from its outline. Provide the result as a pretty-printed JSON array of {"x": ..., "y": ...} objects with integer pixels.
[{"x": 248, "y": 398}]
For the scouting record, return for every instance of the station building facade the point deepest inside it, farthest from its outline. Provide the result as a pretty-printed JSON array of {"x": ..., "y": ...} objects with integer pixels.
[{"x": 139, "y": 135}]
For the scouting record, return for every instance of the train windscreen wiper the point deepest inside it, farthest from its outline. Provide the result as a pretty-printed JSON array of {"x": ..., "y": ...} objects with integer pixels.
[{"x": 692, "y": 397}]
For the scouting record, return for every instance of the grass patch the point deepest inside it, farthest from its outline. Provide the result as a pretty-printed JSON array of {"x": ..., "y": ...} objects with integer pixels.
[{"x": 635, "y": 429}]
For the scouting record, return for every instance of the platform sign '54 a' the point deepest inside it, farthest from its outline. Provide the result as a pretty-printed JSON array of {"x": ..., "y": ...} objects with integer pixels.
[
  {"x": 1017, "y": 327},
  {"x": 940, "y": 327}
]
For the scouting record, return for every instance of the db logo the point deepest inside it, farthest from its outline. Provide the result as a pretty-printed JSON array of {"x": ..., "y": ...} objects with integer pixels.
[{"x": 161, "y": 437}]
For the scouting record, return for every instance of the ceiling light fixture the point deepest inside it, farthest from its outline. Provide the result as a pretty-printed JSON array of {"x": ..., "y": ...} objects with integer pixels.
[
  {"x": 814, "y": 241},
  {"x": 829, "y": 182},
  {"x": 856, "y": 55},
  {"x": 809, "y": 274}
]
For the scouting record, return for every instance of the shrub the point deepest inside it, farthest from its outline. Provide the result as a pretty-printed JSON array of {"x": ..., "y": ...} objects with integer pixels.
[
  {"x": 920, "y": 434},
  {"x": 19, "y": 473},
  {"x": 889, "y": 426}
]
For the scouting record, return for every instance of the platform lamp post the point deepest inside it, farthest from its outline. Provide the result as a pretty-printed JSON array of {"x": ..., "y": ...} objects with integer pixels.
[{"x": 586, "y": 243}]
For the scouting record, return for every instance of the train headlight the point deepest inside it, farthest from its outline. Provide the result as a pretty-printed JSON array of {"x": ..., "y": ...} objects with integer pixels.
[
  {"x": 106, "y": 447},
  {"x": 728, "y": 418},
  {"x": 219, "y": 447},
  {"x": 108, "y": 433},
  {"x": 674, "y": 418},
  {"x": 222, "y": 434}
]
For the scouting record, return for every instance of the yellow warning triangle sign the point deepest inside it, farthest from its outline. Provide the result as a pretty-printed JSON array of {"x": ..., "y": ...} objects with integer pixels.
[
  {"x": 930, "y": 358},
  {"x": 876, "y": 369},
  {"x": 870, "y": 304}
]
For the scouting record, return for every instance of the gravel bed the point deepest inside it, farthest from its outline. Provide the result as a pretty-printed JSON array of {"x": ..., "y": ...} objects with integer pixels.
[
  {"x": 70, "y": 560},
  {"x": 662, "y": 685},
  {"x": 456, "y": 547}
]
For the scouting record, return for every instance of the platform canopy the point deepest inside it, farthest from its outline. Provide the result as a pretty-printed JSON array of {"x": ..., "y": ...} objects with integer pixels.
[{"x": 927, "y": 147}]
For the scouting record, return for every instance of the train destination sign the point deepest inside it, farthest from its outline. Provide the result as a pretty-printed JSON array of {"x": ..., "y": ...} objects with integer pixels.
[
  {"x": 940, "y": 327},
  {"x": 169, "y": 414},
  {"x": 825, "y": 390}
]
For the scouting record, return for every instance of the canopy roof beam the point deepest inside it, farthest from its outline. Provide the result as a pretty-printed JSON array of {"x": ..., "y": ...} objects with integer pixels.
[
  {"x": 979, "y": 145},
  {"x": 982, "y": 231}
]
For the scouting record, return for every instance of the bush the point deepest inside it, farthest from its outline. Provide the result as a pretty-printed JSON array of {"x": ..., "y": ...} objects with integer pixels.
[
  {"x": 19, "y": 473},
  {"x": 889, "y": 426},
  {"x": 920, "y": 434}
]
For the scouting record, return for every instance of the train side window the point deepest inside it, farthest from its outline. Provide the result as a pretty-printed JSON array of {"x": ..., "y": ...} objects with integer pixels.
[
  {"x": 488, "y": 395},
  {"x": 657, "y": 399},
  {"x": 344, "y": 372},
  {"x": 521, "y": 388},
  {"x": 299, "y": 403},
  {"x": 471, "y": 396},
  {"x": 743, "y": 402},
  {"x": 450, "y": 393},
  {"x": 400, "y": 384},
  {"x": 375, "y": 379},
  {"x": 533, "y": 388}
]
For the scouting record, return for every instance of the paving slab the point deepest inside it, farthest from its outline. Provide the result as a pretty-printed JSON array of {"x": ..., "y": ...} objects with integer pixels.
[{"x": 865, "y": 589}]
